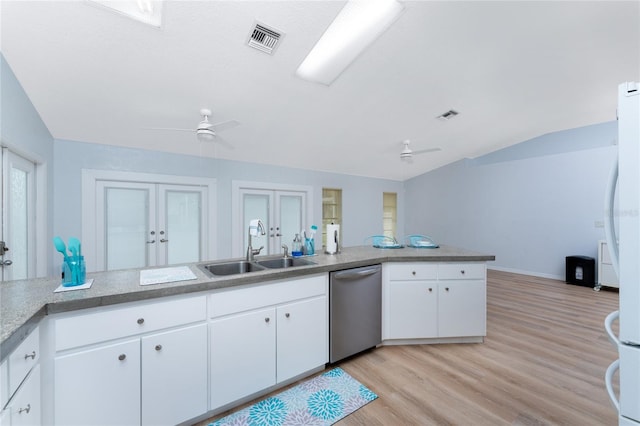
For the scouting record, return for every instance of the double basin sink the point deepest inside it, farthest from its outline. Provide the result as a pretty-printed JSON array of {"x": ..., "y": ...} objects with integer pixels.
[{"x": 245, "y": 267}]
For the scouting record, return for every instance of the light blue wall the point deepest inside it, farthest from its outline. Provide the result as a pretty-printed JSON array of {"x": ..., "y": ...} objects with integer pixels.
[
  {"x": 361, "y": 197},
  {"x": 23, "y": 132},
  {"x": 530, "y": 205}
]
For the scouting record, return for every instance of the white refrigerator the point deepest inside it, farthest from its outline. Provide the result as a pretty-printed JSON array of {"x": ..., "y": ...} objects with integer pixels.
[{"x": 625, "y": 253}]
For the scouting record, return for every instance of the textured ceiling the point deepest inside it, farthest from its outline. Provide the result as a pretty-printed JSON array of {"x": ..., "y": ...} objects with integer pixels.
[{"x": 514, "y": 70}]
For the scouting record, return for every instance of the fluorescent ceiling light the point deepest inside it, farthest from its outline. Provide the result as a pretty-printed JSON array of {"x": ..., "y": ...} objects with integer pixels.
[
  {"x": 357, "y": 25},
  {"x": 147, "y": 11}
]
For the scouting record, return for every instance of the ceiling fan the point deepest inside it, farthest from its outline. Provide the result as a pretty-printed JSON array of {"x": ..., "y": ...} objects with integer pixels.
[
  {"x": 206, "y": 131},
  {"x": 407, "y": 153}
]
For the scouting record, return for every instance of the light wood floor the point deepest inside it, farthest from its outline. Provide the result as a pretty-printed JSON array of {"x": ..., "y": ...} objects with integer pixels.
[{"x": 542, "y": 363}]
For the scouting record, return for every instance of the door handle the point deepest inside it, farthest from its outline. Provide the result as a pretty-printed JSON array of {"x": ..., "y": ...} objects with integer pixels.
[
  {"x": 151, "y": 242},
  {"x": 164, "y": 241},
  {"x": 5, "y": 263}
]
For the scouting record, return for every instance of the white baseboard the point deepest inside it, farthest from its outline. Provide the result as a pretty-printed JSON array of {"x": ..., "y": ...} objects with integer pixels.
[{"x": 533, "y": 274}]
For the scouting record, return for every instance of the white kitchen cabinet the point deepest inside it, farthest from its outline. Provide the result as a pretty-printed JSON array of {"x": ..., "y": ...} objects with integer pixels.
[
  {"x": 25, "y": 407},
  {"x": 606, "y": 274},
  {"x": 20, "y": 384},
  {"x": 301, "y": 337},
  {"x": 433, "y": 301},
  {"x": 150, "y": 369},
  {"x": 99, "y": 386},
  {"x": 174, "y": 380},
  {"x": 243, "y": 355},
  {"x": 264, "y": 335},
  {"x": 412, "y": 310},
  {"x": 462, "y": 308}
]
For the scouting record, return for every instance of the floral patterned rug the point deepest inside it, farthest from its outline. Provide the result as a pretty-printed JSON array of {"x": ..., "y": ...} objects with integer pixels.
[{"x": 322, "y": 400}]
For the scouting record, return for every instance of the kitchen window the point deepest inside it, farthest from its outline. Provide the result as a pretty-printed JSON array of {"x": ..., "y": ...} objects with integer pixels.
[
  {"x": 389, "y": 213},
  {"x": 331, "y": 210}
]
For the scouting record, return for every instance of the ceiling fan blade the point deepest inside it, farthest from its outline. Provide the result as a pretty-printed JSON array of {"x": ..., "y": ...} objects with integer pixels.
[
  {"x": 169, "y": 128},
  {"x": 224, "y": 125},
  {"x": 422, "y": 151}
]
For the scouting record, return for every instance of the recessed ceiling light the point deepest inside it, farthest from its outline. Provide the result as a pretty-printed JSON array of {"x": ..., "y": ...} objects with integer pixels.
[
  {"x": 357, "y": 25},
  {"x": 146, "y": 11}
]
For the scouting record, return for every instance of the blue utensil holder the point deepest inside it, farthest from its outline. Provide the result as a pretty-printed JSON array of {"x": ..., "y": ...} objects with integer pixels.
[
  {"x": 309, "y": 246},
  {"x": 74, "y": 271}
]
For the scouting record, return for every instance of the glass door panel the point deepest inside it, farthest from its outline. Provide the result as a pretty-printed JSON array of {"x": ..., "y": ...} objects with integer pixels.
[
  {"x": 257, "y": 205},
  {"x": 17, "y": 217},
  {"x": 181, "y": 238},
  {"x": 128, "y": 228},
  {"x": 290, "y": 222}
]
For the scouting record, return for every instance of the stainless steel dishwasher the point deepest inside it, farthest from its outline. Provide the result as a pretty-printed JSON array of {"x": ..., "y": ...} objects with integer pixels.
[{"x": 355, "y": 311}]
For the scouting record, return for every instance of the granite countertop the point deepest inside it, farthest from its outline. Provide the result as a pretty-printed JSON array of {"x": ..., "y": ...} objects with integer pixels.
[{"x": 24, "y": 303}]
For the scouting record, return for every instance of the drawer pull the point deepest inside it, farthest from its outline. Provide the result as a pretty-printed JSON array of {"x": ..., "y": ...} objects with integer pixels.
[
  {"x": 430, "y": 289},
  {"x": 446, "y": 289},
  {"x": 122, "y": 357},
  {"x": 266, "y": 319},
  {"x": 413, "y": 272},
  {"x": 140, "y": 321},
  {"x": 26, "y": 410},
  {"x": 287, "y": 315},
  {"x": 158, "y": 347},
  {"x": 462, "y": 271},
  {"x": 32, "y": 355}
]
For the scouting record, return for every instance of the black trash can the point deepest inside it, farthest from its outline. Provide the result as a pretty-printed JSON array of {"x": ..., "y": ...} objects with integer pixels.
[{"x": 581, "y": 270}]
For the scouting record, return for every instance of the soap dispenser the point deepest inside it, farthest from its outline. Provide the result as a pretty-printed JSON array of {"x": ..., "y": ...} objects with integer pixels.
[{"x": 296, "y": 248}]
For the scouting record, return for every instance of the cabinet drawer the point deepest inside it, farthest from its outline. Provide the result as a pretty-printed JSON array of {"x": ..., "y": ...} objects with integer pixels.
[
  {"x": 245, "y": 299},
  {"x": 461, "y": 271},
  {"x": 22, "y": 360},
  {"x": 412, "y": 271},
  {"x": 103, "y": 325}
]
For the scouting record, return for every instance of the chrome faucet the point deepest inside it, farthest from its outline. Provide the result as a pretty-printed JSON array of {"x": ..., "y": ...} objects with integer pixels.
[
  {"x": 255, "y": 231},
  {"x": 286, "y": 250}
]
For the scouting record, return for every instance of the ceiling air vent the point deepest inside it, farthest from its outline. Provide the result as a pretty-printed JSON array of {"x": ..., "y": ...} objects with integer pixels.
[
  {"x": 264, "y": 38},
  {"x": 448, "y": 115}
]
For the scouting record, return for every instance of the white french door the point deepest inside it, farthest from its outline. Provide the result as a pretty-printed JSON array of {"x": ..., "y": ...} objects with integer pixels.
[
  {"x": 17, "y": 233},
  {"x": 144, "y": 224},
  {"x": 147, "y": 223},
  {"x": 283, "y": 210}
]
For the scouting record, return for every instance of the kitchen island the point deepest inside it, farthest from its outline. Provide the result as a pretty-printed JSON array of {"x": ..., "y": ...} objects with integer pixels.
[
  {"x": 24, "y": 302},
  {"x": 197, "y": 322}
]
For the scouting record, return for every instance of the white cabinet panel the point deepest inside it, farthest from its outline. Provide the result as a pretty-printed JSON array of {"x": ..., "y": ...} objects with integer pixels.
[
  {"x": 462, "y": 308},
  {"x": 243, "y": 355},
  {"x": 99, "y": 386},
  {"x": 23, "y": 359},
  {"x": 412, "y": 310},
  {"x": 25, "y": 406},
  {"x": 174, "y": 380},
  {"x": 301, "y": 337},
  {"x": 103, "y": 325}
]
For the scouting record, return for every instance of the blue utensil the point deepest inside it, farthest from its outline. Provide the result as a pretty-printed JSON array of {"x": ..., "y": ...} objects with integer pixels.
[{"x": 61, "y": 247}]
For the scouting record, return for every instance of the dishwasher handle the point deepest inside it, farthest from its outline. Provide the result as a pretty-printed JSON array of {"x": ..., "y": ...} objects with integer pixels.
[{"x": 353, "y": 274}]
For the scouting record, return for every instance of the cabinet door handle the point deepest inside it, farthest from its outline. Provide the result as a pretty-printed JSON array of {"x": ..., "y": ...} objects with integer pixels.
[
  {"x": 413, "y": 272},
  {"x": 151, "y": 242},
  {"x": 140, "y": 321},
  {"x": 287, "y": 315},
  {"x": 430, "y": 289},
  {"x": 266, "y": 319},
  {"x": 462, "y": 271},
  {"x": 122, "y": 357},
  {"x": 164, "y": 241},
  {"x": 158, "y": 347},
  {"x": 446, "y": 289},
  {"x": 32, "y": 355},
  {"x": 26, "y": 410}
]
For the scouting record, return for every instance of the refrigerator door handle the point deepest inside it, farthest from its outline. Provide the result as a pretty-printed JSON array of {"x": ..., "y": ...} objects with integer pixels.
[
  {"x": 608, "y": 380},
  {"x": 609, "y": 225},
  {"x": 608, "y": 321}
]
